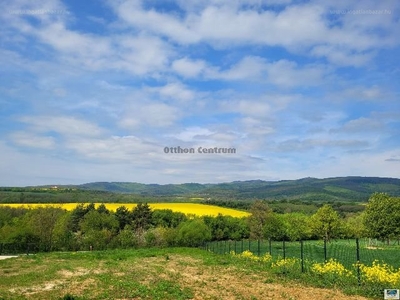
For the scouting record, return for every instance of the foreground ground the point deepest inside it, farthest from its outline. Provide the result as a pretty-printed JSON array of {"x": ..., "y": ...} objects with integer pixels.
[{"x": 177, "y": 273}]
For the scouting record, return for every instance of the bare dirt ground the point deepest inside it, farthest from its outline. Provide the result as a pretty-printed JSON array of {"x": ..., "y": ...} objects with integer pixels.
[{"x": 226, "y": 283}]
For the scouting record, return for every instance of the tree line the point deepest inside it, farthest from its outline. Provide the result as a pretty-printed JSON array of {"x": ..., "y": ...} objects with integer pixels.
[{"x": 87, "y": 227}]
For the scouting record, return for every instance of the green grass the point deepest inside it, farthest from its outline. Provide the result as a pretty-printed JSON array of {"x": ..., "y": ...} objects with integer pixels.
[
  {"x": 94, "y": 275},
  {"x": 167, "y": 273}
]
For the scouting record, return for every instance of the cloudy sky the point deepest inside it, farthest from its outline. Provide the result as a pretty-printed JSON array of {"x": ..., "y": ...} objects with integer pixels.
[{"x": 95, "y": 90}]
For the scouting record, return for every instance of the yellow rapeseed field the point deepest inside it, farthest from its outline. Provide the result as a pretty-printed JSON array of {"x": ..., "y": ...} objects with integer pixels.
[{"x": 186, "y": 208}]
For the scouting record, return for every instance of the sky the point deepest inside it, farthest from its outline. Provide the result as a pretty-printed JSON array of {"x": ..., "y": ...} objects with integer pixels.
[{"x": 101, "y": 90}]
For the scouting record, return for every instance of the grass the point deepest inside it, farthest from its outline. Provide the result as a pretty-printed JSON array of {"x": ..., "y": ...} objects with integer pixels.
[
  {"x": 169, "y": 273},
  {"x": 342, "y": 250},
  {"x": 186, "y": 208}
]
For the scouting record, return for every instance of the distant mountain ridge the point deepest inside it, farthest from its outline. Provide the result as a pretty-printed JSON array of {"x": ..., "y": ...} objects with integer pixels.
[{"x": 351, "y": 188}]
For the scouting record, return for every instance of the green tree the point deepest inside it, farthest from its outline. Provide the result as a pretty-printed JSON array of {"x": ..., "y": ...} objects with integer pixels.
[
  {"x": 103, "y": 209},
  {"x": 326, "y": 223},
  {"x": 127, "y": 238},
  {"x": 260, "y": 212},
  {"x": 98, "y": 229},
  {"x": 193, "y": 233},
  {"x": 275, "y": 227},
  {"x": 382, "y": 217},
  {"x": 167, "y": 218},
  {"x": 43, "y": 222},
  {"x": 297, "y": 226},
  {"x": 354, "y": 226},
  {"x": 94, "y": 220},
  {"x": 77, "y": 215},
  {"x": 142, "y": 217},
  {"x": 123, "y": 216},
  {"x": 64, "y": 237}
]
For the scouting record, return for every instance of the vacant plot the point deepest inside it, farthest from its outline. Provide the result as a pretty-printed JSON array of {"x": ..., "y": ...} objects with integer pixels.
[
  {"x": 186, "y": 208},
  {"x": 175, "y": 273}
]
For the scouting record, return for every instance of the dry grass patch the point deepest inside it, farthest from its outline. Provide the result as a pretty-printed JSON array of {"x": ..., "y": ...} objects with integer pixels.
[{"x": 218, "y": 282}]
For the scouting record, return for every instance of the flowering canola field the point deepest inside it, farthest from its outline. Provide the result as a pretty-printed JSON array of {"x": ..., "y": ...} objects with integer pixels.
[{"x": 186, "y": 208}]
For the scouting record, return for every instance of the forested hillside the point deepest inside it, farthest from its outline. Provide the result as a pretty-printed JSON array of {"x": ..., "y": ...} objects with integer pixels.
[
  {"x": 306, "y": 189},
  {"x": 339, "y": 189}
]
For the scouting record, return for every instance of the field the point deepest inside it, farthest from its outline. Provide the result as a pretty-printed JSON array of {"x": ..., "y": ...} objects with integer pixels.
[
  {"x": 186, "y": 208},
  {"x": 170, "y": 273}
]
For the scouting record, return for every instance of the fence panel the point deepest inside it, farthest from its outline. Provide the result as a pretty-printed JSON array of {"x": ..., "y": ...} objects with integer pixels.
[{"x": 346, "y": 252}]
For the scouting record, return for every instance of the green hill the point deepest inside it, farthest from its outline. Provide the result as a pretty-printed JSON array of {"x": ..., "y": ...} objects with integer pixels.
[
  {"x": 338, "y": 189},
  {"x": 306, "y": 189}
]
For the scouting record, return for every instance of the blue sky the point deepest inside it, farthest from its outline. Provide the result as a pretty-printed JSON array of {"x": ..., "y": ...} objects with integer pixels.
[{"x": 95, "y": 90}]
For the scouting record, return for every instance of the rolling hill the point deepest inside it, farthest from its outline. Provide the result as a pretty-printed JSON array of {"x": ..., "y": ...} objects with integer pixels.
[
  {"x": 350, "y": 188},
  {"x": 338, "y": 189}
]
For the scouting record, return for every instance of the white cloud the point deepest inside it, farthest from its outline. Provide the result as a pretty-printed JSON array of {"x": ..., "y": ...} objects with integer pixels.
[
  {"x": 298, "y": 28},
  {"x": 141, "y": 54},
  {"x": 65, "y": 125},
  {"x": 192, "y": 134},
  {"x": 197, "y": 5},
  {"x": 256, "y": 127},
  {"x": 133, "y": 14},
  {"x": 249, "y": 68},
  {"x": 261, "y": 107},
  {"x": 282, "y": 73},
  {"x": 187, "y": 67},
  {"x": 362, "y": 93},
  {"x": 248, "y": 108},
  {"x": 113, "y": 149},
  {"x": 360, "y": 126},
  {"x": 288, "y": 74},
  {"x": 306, "y": 144},
  {"x": 176, "y": 91},
  {"x": 149, "y": 115},
  {"x": 342, "y": 56},
  {"x": 32, "y": 140}
]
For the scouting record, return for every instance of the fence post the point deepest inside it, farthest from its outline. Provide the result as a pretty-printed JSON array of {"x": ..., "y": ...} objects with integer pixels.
[
  {"x": 249, "y": 245},
  {"x": 284, "y": 249},
  {"x": 258, "y": 248},
  {"x": 358, "y": 261},
  {"x": 325, "y": 254},
  {"x": 270, "y": 246},
  {"x": 302, "y": 256}
]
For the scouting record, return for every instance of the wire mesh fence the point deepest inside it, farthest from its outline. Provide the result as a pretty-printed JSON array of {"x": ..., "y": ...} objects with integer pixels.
[
  {"x": 19, "y": 248},
  {"x": 350, "y": 253}
]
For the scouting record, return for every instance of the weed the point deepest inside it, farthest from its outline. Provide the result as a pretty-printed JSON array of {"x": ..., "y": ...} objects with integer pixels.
[{"x": 69, "y": 297}]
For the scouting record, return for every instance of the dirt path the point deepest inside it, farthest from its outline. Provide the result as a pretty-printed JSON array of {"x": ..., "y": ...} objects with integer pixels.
[{"x": 7, "y": 256}]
